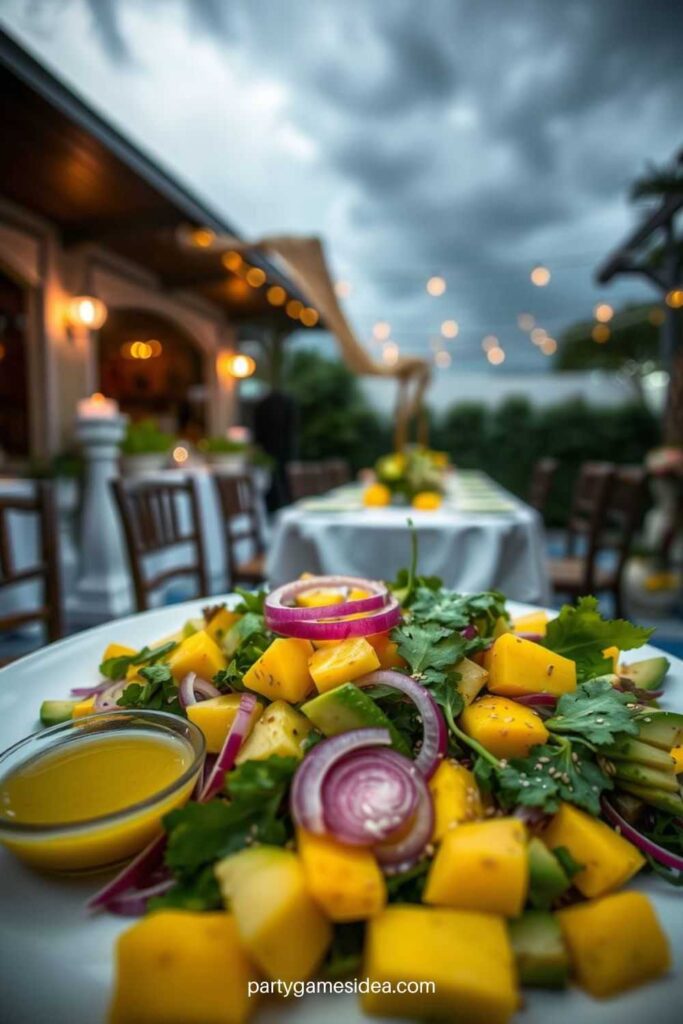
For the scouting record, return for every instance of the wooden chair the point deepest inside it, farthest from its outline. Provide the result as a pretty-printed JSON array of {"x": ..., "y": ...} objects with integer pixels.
[
  {"x": 239, "y": 509},
  {"x": 618, "y": 494},
  {"x": 542, "y": 479},
  {"x": 305, "y": 479},
  {"x": 152, "y": 519},
  {"x": 46, "y": 571},
  {"x": 338, "y": 472}
]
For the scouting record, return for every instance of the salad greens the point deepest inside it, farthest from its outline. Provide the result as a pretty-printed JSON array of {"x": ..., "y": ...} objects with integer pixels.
[
  {"x": 581, "y": 634},
  {"x": 116, "y": 668},
  {"x": 158, "y": 692}
]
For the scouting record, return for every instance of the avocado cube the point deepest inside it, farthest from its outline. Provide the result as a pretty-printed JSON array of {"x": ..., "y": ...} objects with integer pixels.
[
  {"x": 540, "y": 952},
  {"x": 547, "y": 878}
]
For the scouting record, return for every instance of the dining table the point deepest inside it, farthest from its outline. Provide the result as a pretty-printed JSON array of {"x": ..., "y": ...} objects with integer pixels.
[{"x": 480, "y": 538}]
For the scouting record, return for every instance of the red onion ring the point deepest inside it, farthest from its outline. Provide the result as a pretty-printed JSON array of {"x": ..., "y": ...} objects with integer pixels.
[
  {"x": 279, "y": 613},
  {"x": 469, "y": 632},
  {"x": 306, "y": 796},
  {"x": 435, "y": 734},
  {"x": 537, "y": 699},
  {"x": 131, "y": 875},
  {"x": 377, "y": 622},
  {"x": 191, "y": 686},
  {"x": 108, "y": 699},
  {"x": 645, "y": 845},
  {"x": 230, "y": 749},
  {"x": 133, "y": 903},
  {"x": 90, "y": 691},
  {"x": 534, "y": 638},
  {"x": 368, "y": 796},
  {"x": 401, "y": 854}
]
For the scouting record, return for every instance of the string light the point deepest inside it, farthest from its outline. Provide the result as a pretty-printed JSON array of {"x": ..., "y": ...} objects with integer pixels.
[
  {"x": 674, "y": 298},
  {"x": 450, "y": 328},
  {"x": 538, "y": 335},
  {"x": 203, "y": 238},
  {"x": 294, "y": 308},
  {"x": 255, "y": 277},
  {"x": 489, "y": 342},
  {"x": 232, "y": 260},
  {"x": 601, "y": 333},
  {"x": 276, "y": 295},
  {"x": 390, "y": 353},
  {"x": 525, "y": 321},
  {"x": 436, "y": 286},
  {"x": 548, "y": 346},
  {"x": 180, "y": 454},
  {"x": 495, "y": 355},
  {"x": 381, "y": 331},
  {"x": 540, "y": 276},
  {"x": 309, "y": 316},
  {"x": 442, "y": 358},
  {"x": 342, "y": 289},
  {"x": 603, "y": 312},
  {"x": 86, "y": 311}
]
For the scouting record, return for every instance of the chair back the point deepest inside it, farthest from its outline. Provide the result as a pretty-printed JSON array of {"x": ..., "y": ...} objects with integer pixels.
[
  {"x": 306, "y": 479},
  {"x": 542, "y": 479},
  {"x": 239, "y": 509},
  {"x": 159, "y": 516},
  {"x": 623, "y": 511},
  {"x": 338, "y": 472},
  {"x": 586, "y": 516},
  {"x": 41, "y": 506}
]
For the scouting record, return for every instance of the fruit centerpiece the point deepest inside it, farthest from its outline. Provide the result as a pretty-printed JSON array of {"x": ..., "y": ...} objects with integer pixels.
[{"x": 412, "y": 474}]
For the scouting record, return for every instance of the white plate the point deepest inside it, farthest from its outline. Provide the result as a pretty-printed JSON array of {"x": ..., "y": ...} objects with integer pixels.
[{"x": 56, "y": 962}]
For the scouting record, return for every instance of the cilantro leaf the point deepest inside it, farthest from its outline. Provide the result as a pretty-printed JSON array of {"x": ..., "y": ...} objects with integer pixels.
[
  {"x": 158, "y": 692},
  {"x": 407, "y": 580},
  {"x": 581, "y": 634},
  {"x": 252, "y": 601},
  {"x": 458, "y": 610},
  {"x": 429, "y": 649},
  {"x": 116, "y": 668},
  {"x": 596, "y": 712},
  {"x": 551, "y": 774}
]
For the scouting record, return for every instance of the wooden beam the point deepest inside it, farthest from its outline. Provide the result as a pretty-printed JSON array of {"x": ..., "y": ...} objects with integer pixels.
[
  {"x": 107, "y": 230},
  {"x": 662, "y": 216}
]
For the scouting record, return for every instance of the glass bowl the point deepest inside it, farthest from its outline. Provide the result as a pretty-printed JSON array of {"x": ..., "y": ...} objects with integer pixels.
[{"x": 106, "y": 840}]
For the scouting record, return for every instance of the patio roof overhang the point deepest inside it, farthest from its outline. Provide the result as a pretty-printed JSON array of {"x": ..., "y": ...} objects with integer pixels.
[{"x": 65, "y": 163}]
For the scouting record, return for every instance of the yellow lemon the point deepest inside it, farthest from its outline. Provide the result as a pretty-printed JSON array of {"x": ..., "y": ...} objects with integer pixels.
[
  {"x": 427, "y": 501},
  {"x": 376, "y": 496}
]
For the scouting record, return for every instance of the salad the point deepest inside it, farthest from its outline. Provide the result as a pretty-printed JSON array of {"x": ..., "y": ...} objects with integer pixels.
[{"x": 404, "y": 786}]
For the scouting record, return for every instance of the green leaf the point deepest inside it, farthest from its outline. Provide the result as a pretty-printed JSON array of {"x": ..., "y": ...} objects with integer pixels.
[
  {"x": 581, "y": 634},
  {"x": 116, "y": 668},
  {"x": 596, "y": 712},
  {"x": 158, "y": 692},
  {"x": 252, "y": 601},
  {"x": 429, "y": 649},
  {"x": 458, "y": 610},
  {"x": 551, "y": 774}
]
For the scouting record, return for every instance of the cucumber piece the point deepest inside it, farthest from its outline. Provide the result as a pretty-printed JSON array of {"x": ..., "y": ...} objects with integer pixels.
[
  {"x": 547, "y": 878},
  {"x": 662, "y": 729},
  {"x": 472, "y": 679},
  {"x": 640, "y": 753},
  {"x": 647, "y": 674},
  {"x": 640, "y": 775},
  {"x": 54, "y": 712},
  {"x": 540, "y": 952},
  {"x": 348, "y": 707},
  {"x": 671, "y": 802}
]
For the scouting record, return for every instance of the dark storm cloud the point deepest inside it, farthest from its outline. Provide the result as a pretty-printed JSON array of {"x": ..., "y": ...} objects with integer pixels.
[{"x": 470, "y": 137}]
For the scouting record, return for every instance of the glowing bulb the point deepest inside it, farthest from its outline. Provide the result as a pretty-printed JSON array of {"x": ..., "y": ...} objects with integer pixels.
[
  {"x": 489, "y": 342},
  {"x": 381, "y": 330},
  {"x": 548, "y": 346},
  {"x": 232, "y": 260},
  {"x": 203, "y": 238},
  {"x": 86, "y": 311},
  {"x": 495, "y": 355},
  {"x": 230, "y": 365},
  {"x": 540, "y": 276},
  {"x": 156, "y": 347},
  {"x": 601, "y": 333},
  {"x": 294, "y": 308},
  {"x": 276, "y": 295},
  {"x": 242, "y": 366},
  {"x": 342, "y": 289},
  {"x": 450, "y": 328},
  {"x": 255, "y": 277},
  {"x": 603, "y": 312},
  {"x": 442, "y": 358},
  {"x": 390, "y": 353},
  {"x": 525, "y": 321},
  {"x": 538, "y": 335},
  {"x": 436, "y": 286},
  {"x": 180, "y": 454},
  {"x": 309, "y": 316},
  {"x": 674, "y": 298}
]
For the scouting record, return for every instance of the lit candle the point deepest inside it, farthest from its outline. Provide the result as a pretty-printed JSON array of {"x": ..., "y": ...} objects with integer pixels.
[{"x": 97, "y": 407}]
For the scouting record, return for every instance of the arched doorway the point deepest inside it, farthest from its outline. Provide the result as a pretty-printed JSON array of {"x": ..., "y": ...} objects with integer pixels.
[
  {"x": 15, "y": 433},
  {"x": 154, "y": 371}
]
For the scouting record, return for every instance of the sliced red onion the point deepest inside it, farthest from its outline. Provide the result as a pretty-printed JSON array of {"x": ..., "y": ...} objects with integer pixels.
[
  {"x": 435, "y": 734},
  {"x": 133, "y": 903},
  {"x": 279, "y": 612},
  {"x": 90, "y": 691},
  {"x": 306, "y": 629},
  {"x": 306, "y": 796},
  {"x": 192, "y": 686},
  {"x": 469, "y": 633},
  {"x": 108, "y": 699},
  {"x": 403, "y": 853},
  {"x": 132, "y": 875},
  {"x": 537, "y": 700},
  {"x": 534, "y": 638},
  {"x": 230, "y": 749},
  {"x": 645, "y": 845},
  {"x": 368, "y": 796}
]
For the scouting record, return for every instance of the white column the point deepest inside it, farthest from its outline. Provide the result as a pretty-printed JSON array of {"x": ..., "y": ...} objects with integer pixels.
[{"x": 103, "y": 586}]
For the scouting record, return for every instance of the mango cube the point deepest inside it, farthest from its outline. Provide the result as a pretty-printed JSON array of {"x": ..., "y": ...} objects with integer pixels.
[
  {"x": 280, "y": 730},
  {"x": 198, "y": 653},
  {"x": 177, "y": 967},
  {"x": 282, "y": 670},
  {"x": 609, "y": 860},
  {"x": 504, "y": 727},
  {"x": 615, "y": 943},
  {"x": 280, "y": 926},
  {"x": 118, "y": 651},
  {"x": 677, "y": 754},
  {"x": 215, "y": 716},
  {"x": 386, "y": 650},
  {"x": 613, "y": 654},
  {"x": 518, "y": 666},
  {"x": 481, "y": 865},
  {"x": 350, "y": 659},
  {"x": 83, "y": 708},
  {"x": 456, "y": 797},
  {"x": 221, "y": 623},
  {"x": 345, "y": 881},
  {"x": 532, "y": 622},
  {"x": 466, "y": 956},
  {"x": 319, "y": 598}
]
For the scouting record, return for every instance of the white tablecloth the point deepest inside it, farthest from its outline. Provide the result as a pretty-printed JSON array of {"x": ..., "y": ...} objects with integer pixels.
[{"x": 470, "y": 549}]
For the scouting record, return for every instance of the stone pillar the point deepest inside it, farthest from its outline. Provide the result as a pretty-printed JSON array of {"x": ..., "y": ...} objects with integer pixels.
[{"x": 103, "y": 586}]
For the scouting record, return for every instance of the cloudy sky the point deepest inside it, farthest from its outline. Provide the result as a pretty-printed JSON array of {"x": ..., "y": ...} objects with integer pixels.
[{"x": 465, "y": 138}]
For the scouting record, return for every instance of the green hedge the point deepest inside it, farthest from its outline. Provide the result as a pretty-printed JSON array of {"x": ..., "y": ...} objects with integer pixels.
[{"x": 504, "y": 441}]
